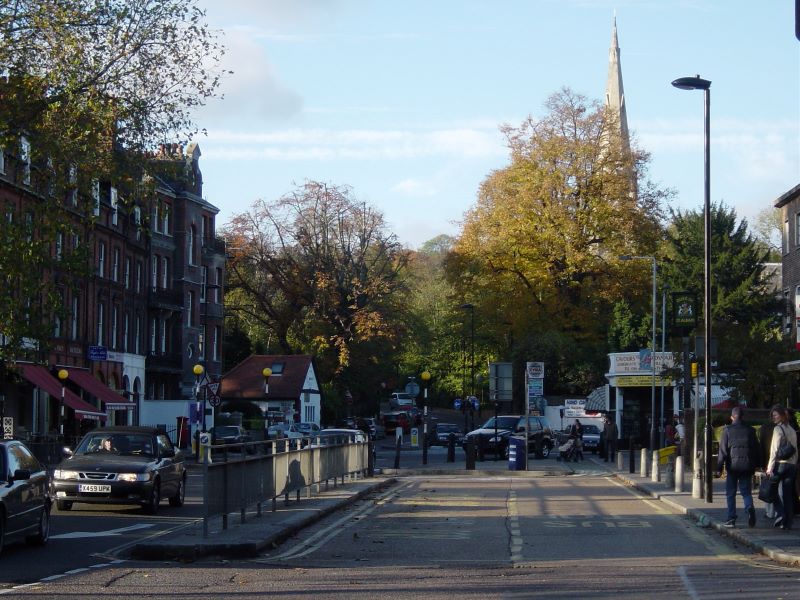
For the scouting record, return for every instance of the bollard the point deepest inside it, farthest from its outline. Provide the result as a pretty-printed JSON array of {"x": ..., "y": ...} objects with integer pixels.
[
  {"x": 451, "y": 448},
  {"x": 643, "y": 463},
  {"x": 679, "y": 474},
  {"x": 631, "y": 457},
  {"x": 620, "y": 461},
  {"x": 669, "y": 475},
  {"x": 469, "y": 449},
  {"x": 397, "y": 453},
  {"x": 697, "y": 478},
  {"x": 655, "y": 470}
]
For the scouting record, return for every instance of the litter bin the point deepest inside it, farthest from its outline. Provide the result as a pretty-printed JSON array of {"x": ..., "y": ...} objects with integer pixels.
[{"x": 516, "y": 454}]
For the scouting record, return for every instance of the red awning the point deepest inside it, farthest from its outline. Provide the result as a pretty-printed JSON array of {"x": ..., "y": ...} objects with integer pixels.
[
  {"x": 41, "y": 378},
  {"x": 95, "y": 387}
]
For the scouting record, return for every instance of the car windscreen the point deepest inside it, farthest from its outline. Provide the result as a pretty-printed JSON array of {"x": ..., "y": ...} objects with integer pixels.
[
  {"x": 122, "y": 444},
  {"x": 447, "y": 428},
  {"x": 226, "y": 431},
  {"x": 590, "y": 429},
  {"x": 502, "y": 423}
]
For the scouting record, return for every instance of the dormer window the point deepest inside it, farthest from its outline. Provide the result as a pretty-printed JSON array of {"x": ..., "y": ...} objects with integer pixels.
[{"x": 277, "y": 368}]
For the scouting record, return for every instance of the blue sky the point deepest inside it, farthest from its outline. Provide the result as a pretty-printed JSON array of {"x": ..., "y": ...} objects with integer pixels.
[{"x": 402, "y": 101}]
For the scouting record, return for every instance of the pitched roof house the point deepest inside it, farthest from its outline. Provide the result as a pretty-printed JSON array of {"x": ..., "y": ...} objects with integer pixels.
[{"x": 292, "y": 388}]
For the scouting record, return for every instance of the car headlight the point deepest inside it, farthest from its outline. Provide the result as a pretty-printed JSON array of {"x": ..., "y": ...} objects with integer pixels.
[
  {"x": 62, "y": 474},
  {"x": 134, "y": 476}
]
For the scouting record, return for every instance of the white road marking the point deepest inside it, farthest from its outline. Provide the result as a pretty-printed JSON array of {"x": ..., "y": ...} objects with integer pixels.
[
  {"x": 687, "y": 583},
  {"x": 95, "y": 534}
]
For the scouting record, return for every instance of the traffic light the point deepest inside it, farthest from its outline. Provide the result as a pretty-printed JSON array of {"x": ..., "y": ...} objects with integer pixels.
[{"x": 694, "y": 364}]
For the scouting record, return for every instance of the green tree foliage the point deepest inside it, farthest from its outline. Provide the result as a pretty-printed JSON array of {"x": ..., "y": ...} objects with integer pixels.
[
  {"x": 746, "y": 309},
  {"x": 540, "y": 250},
  {"x": 317, "y": 270},
  {"x": 91, "y": 87}
]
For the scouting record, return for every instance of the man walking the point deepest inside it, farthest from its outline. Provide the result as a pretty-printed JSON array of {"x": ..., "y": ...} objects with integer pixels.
[
  {"x": 739, "y": 453},
  {"x": 610, "y": 438}
]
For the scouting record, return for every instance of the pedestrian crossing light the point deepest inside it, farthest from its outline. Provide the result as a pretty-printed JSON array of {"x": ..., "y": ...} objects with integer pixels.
[{"x": 694, "y": 369}]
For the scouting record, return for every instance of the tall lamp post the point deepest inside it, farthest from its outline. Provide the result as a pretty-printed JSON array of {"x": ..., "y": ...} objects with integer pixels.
[
  {"x": 198, "y": 371},
  {"x": 266, "y": 372},
  {"x": 696, "y": 83},
  {"x": 425, "y": 376},
  {"x": 63, "y": 375},
  {"x": 653, "y": 356}
]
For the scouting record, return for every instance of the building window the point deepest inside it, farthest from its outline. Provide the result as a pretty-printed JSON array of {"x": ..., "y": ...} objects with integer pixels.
[
  {"x": 203, "y": 283},
  {"x": 101, "y": 315},
  {"x": 25, "y": 160},
  {"x": 163, "y": 336},
  {"x": 190, "y": 244},
  {"x": 96, "y": 198},
  {"x": 59, "y": 245},
  {"x": 218, "y": 289},
  {"x": 137, "y": 340},
  {"x": 75, "y": 318},
  {"x": 114, "y": 320},
  {"x": 72, "y": 193},
  {"x": 165, "y": 273},
  {"x": 2, "y": 162},
  {"x": 156, "y": 224},
  {"x": 138, "y": 276},
  {"x": 202, "y": 344},
  {"x": 786, "y": 236},
  {"x": 114, "y": 206},
  {"x": 153, "y": 335},
  {"x": 154, "y": 274},
  {"x": 126, "y": 321},
  {"x": 137, "y": 220},
  {"x": 215, "y": 344},
  {"x": 57, "y": 326},
  {"x": 190, "y": 309},
  {"x": 101, "y": 259},
  {"x": 127, "y": 273},
  {"x": 115, "y": 265},
  {"x": 165, "y": 210}
]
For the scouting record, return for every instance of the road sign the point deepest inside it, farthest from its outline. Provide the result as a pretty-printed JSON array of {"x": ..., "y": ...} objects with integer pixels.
[
  {"x": 213, "y": 388},
  {"x": 412, "y": 388},
  {"x": 97, "y": 353},
  {"x": 8, "y": 428},
  {"x": 214, "y": 400},
  {"x": 457, "y": 404}
]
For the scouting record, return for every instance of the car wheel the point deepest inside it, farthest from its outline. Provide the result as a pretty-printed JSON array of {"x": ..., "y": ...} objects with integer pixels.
[
  {"x": 179, "y": 497},
  {"x": 545, "y": 451},
  {"x": 151, "y": 507},
  {"x": 43, "y": 533},
  {"x": 64, "y": 504}
]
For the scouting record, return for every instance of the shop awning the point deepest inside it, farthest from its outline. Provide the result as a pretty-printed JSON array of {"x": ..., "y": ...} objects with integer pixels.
[
  {"x": 41, "y": 378},
  {"x": 106, "y": 395}
]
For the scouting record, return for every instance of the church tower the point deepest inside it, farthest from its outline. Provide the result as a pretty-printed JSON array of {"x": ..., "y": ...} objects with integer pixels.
[{"x": 615, "y": 93}]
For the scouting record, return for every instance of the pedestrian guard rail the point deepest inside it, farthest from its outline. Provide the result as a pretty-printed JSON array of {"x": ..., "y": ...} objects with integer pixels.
[{"x": 237, "y": 477}]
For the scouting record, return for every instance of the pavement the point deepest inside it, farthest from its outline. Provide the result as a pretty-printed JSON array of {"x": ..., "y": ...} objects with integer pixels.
[{"x": 260, "y": 532}]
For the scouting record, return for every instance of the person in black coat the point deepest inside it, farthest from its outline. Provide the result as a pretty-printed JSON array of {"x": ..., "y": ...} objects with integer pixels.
[{"x": 740, "y": 454}]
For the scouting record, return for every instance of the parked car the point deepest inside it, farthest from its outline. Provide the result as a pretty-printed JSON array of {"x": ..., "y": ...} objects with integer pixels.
[
  {"x": 540, "y": 438},
  {"x": 331, "y": 435},
  {"x": 122, "y": 465},
  {"x": 308, "y": 429},
  {"x": 24, "y": 495},
  {"x": 393, "y": 420},
  {"x": 401, "y": 401},
  {"x": 591, "y": 438},
  {"x": 284, "y": 430},
  {"x": 440, "y": 436},
  {"x": 231, "y": 434}
]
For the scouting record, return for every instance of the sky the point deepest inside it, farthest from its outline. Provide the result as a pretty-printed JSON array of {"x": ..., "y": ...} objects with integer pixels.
[{"x": 403, "y": 101}]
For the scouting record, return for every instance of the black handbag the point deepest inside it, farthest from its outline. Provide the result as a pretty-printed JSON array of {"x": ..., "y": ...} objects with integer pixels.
[
  {"x": 785, "y": 449},
  {"x": 767, "y": 490}
]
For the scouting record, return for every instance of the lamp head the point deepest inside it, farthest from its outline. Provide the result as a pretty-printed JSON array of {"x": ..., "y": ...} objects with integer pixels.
[
  {"x": 692, "y": 83},
  {"x": 425, "y": 376},
  {"x": 266, "y": 372},
  {"x": 198, "y": 370},
  {"x": 63, "y": 374}
]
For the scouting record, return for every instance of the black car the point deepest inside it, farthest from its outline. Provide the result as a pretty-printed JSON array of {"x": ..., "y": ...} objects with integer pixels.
[
  {"x": 24, "y": 495},
  {"x": 440, "y": 436},
  {"x": 122, "y": 465},
  {"x": 591, "y": 438},
  {"x": 231, "y": 434},
  {"x": 540, "y": 436}
]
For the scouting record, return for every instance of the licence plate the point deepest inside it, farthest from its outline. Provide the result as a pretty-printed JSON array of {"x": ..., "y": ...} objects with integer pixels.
[{"x": 98, "y": 489}]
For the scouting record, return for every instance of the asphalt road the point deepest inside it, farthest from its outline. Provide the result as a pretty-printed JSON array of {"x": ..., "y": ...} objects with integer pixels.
[
  {"x": 579, "y": 536},
  {"x": 94, "y": 536}
]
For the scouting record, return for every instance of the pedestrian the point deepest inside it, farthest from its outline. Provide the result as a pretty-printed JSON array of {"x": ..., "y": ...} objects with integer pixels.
[
  {"x": 610, "y": 433},
  {"x": 740, "y": 455},
  {"x": 577, "y": 432},
  {"x": 782, "y": 467},
  {"x": 765, "y": 440},
  {"x": 680, "y": 435},
  {"x": 669, "y": 433}
]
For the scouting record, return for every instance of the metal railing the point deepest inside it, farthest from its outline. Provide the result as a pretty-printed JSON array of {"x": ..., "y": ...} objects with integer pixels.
[{"x": 239, "y": 476}]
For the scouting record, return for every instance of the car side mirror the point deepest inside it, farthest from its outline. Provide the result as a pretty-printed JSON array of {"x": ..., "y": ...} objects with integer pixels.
[
  {"x": 67, "y": 452},
  {"x": 22, "y": 474}
]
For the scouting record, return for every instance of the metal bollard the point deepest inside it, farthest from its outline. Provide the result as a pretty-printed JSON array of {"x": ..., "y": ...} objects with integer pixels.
[
  {"x": 643, "y": 463},
  {"x": 469, "y": 449},
  {"x": 398, "y": 441},
  {"x": 620, "y": 461},
  {"x": 669, "y": 475},
  {"x": 679, "y": 474},
  {"x": 655, "y": 471},
  {"x": 697, "y": 477}
]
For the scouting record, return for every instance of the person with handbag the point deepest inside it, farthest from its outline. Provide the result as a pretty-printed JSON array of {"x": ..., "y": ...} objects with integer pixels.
[
  {"x": 739, "y": 454},
  {"x": 782, "y": 466}
]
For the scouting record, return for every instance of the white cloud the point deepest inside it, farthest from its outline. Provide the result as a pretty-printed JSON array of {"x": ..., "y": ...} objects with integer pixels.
[
  {"x": 365, "y": 144},
  {"x": 414, "y": 187}
]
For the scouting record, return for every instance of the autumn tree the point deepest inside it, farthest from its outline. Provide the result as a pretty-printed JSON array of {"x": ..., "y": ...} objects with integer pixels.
[
  {"x": 87, "y": 89},
  {"x": 539, "y": 253},
  {"x": 317, "y": 270}
]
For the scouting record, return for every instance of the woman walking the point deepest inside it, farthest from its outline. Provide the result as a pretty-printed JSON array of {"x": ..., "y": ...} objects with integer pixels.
[{"x": 782, "y": 466}]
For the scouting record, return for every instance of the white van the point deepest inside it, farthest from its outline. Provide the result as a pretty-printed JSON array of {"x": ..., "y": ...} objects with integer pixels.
[{"x": 401, "y": 401}]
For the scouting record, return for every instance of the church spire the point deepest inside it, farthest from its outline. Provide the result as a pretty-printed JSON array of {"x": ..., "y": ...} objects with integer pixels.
[{"x": 615, "y": 93}]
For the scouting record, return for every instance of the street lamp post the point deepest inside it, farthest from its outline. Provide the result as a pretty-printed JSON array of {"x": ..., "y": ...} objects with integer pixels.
[
  {"x": 63, "y": 375},
  {"x": 663, "y": 349},
  {"x": 696, "y": 83},
  {"x": 425, "y": 378},
  {"x": 198, "y": 371},
  {"x": 471, "y": 309},
  {"x": 266, "y": 372},
  {"x": 653, "y": 355}
]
